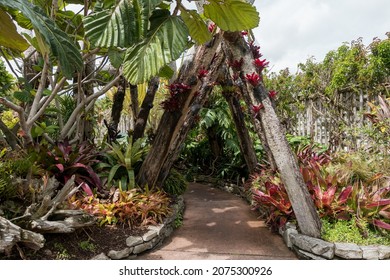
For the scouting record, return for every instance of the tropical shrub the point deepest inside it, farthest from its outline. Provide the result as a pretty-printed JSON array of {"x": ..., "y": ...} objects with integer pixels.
[
  {"x": 175, "y": 183},
  {"x": 121, "y": 161},
  {"x": 132, "y": 208}
]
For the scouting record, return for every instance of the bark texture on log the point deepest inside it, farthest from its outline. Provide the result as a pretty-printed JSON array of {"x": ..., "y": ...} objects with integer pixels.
[
  {"x": 175, "y": 124},
  {"x": 286, "y": 163},
  {"x": 11, "y": 234}
]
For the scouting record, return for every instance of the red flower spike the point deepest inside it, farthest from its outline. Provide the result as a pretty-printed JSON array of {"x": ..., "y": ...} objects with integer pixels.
[
  {"x": 235, "y": 76},
  {"x": 260, "y": 64},
  {"x": 236, "y": 64},
  {"x": 253, "y": 79},
  {"x": 272, "y": 94},
  {"x": 202, "y": 73},
  {"x": 256, "y": 109},
  {"x": 244, "y": 33},
  {"x": 211, "y": 27}
]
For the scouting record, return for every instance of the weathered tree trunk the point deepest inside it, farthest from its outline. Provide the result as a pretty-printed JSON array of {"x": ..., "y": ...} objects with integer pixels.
[
  {"x": 12, "y": 234},
  {"x": 146, "y": 106},
  {"x": 117, "y": 105},
  {"x": 175, "y": 124},
  {"x": 285, "y": 160},
  {"x": 81, "y": 92},
  {"x": 43, "y": 217},
  {"x": 246, "y": 144}
]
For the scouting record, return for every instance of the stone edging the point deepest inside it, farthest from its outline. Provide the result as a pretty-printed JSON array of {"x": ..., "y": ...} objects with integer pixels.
[
  {"x": 149, "y": 240},
  {"x": 310, "y": 248}
]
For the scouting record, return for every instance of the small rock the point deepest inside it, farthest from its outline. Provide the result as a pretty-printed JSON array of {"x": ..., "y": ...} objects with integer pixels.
[
  {"x": 152, "y": 233},
  {"x": 348, "y": 251},
  {"x": 118, "y": 255},
  {"x": 384, "y": 252},
  {"x": 101, "y": 257},
  {"x": 313, "y": 245},
  {"x": 286, "y": 236},
  {"x": 47, "y": 252},
  {"x": 133, "y": 241},
  {"x": 370, "y": 252},
  {"x": 142, "y": 247},
  {"x": 308, "y": 256},
  {"x": 168, "y": 231},
  {"x": 159, "y": 228}
]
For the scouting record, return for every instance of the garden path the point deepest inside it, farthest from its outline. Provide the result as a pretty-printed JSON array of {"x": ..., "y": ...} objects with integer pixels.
[{"x": 219, "y": 226}]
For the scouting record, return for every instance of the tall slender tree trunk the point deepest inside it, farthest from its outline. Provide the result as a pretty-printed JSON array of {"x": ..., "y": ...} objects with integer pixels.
[
  {"x": 146, "y": 106},
  {"x": 286, "y": 163},
  {"x": 117, "y": 104},
  {"x": 176, "y": 123}
]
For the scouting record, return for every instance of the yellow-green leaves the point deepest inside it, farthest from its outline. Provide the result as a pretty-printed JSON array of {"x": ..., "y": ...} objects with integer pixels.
[
  {"x": 232, "y": 15},
  {"x": 196, "y": 26},
  {"x": 59, "y": 43},
  {"x": 9, "y": 36}
]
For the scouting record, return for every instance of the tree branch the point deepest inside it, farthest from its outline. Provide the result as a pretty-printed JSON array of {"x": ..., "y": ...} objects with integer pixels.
[{"x": 85, "y": 102}]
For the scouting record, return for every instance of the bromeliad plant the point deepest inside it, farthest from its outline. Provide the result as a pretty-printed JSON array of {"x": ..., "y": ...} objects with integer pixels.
[
  {"x": 65, "y": 160},
  {"x": 269, "y": 196},
  {"x": 121, "y": 161},
  {"x": 132, "y": 208}
]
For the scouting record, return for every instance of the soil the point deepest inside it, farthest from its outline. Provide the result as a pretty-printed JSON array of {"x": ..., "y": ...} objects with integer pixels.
[{"x": 83, "y": 244}]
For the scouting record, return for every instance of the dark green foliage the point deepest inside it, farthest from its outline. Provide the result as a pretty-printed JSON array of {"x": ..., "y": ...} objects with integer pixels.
[
  {"x": 12, "y": 172},
  {"x": 175, "y": 183},
  {"x": 121, "y": 162}
]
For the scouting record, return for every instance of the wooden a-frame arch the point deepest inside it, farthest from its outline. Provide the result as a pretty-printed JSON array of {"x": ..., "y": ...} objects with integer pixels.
[{"x": 175, "y": 124}]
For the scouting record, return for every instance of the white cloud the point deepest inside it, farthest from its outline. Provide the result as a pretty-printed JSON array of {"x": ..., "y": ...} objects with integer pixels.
[{"x": 292, "y": 31}]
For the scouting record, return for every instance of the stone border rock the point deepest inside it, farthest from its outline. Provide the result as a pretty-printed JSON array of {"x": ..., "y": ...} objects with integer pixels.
[
  {"x": 310, "y": 248},
  {"x": 149, "y": 240}
]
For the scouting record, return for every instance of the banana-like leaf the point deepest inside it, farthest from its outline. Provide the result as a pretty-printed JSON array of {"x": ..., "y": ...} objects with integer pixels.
[
  {"x": 61, "y": 46},
  {"x": 165, "y": 42},
  {"x": 196, "y": 26},
  {"x": 121, "y": 26},
  {"x": 9, "y": 36},
  {"x": 232, "y": 15}
]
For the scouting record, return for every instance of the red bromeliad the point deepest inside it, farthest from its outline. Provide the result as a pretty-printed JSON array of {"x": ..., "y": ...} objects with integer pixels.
[
  {"x": 172, "y": 103},
  {"x": 202, "y": 73},
  {"x": 255, "y": 50},
  {"x": 260, "y": 64},
  {"x": 236, "y": 64},
  {"x": 253, "y": 79},
  {"x": 256, "y": 109},
  {"x": 272, "y": 94}
]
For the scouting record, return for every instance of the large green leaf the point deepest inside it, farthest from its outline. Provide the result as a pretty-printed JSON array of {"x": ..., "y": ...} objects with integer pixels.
[
  {"x": 232, "y": 15},
  {"x": 58, "y": 41},
  {"x": 121, "y": 26},
  {"x": 9, "y": 36},
  {"x": 196, "y": 26},
  {"x": 165, "y": 42}
]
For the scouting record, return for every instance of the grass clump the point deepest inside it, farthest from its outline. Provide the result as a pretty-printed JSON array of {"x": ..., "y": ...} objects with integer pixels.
[{"x": 351, "y": 232}]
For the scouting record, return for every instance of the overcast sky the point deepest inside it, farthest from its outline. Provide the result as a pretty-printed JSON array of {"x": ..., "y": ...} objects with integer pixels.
[{"x": 292, "y": 31}]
